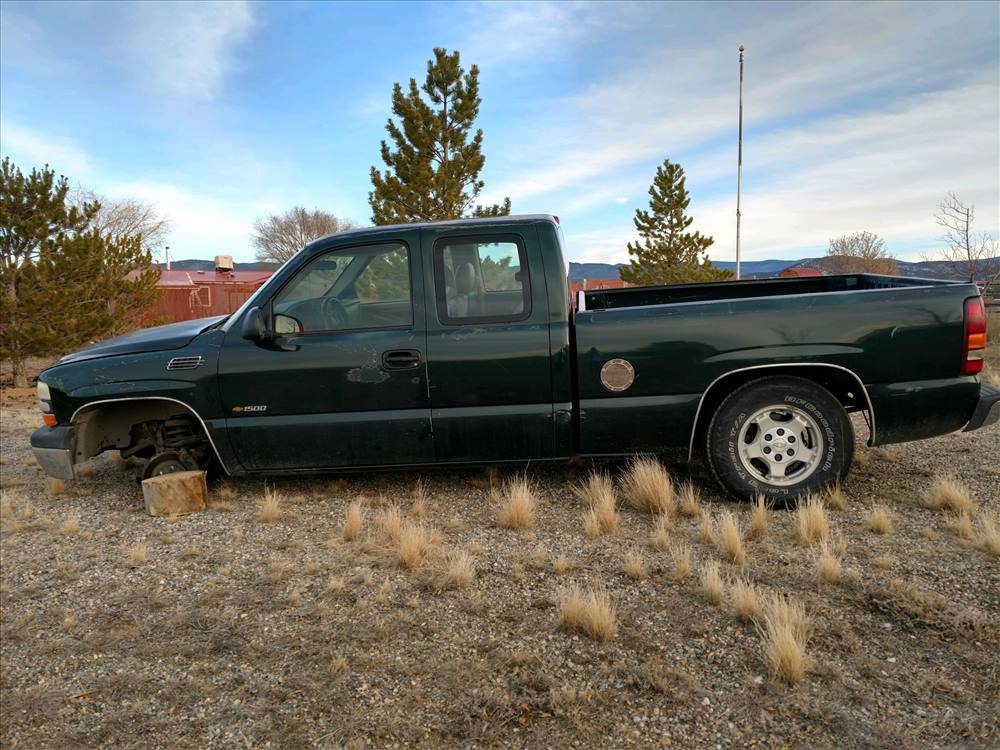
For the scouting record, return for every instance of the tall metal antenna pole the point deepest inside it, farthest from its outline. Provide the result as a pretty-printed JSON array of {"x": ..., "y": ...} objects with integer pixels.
[{"x": 739, "y": 170}]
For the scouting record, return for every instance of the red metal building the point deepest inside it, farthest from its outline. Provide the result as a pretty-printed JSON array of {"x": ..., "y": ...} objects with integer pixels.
[{"x": 191, "y": 294}]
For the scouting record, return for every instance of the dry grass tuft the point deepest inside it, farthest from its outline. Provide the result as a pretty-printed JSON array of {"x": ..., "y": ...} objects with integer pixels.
[
  {"x": 947, "y": 493},
  {"x": 784, "y": 631},
  {"x": 339, "y": 665},
  {"x": 689, "y": 503},
  {"x": 517, "y": 509},
  {"x": 828, "y": 568},
  {"x": 418, "y": 507},
  {"x": 962, "y": 525},
  {"x": 729, "y": 540},
  {"x": 390, "y": 522},
  {"x": 562, "y": 565},
  {"x": 660, "y": 536},
  {"x": 597, "y": 489},
  {"x": 745, "y": 599},
  {"x": 758, "y": 519},
  {"x": 540, "y": 555},
  {"x": 55, "y": 486},
  {"x": 681, "y": 557},
  {"x": 711, "y": 583},
  {"x": 598, "y": 493},
  {"x": 590, "y": 612},
  {"x": 811, "y": 524},
  {"x": 706, "y": 529},
  {"x": 459, "y": 572},
  {"x": 988, "y": 536},
  {"x": 138, "y": 554},
  {"x": 6, "y": 506},
  {"x": 878, "y": 520},
  {"x": 270, "y": 510},
  {"x": 225, "y": 492},
  {"x": 835, "y": 497},
  {"x": 413, "y": 545},
  {"x": 353, "y": 522},
  {"x": 634, "y": 565},
  {"x": 70, "y": 526},
  {"x": 648, "y": 487}
]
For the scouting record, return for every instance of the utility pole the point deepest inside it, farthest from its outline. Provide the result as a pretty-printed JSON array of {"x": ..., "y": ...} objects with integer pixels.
[{"x": 739, "y": 170}]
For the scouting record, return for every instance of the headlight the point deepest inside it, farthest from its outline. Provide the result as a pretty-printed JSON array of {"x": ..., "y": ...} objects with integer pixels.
[{"x": 45, "y": 404}]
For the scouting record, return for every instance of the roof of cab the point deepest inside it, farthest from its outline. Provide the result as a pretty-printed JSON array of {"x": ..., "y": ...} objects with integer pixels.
[{"x": 367, "y": 231}]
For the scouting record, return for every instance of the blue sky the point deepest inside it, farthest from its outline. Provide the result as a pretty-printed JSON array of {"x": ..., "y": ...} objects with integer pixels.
[{"x": 857, "y": 116}]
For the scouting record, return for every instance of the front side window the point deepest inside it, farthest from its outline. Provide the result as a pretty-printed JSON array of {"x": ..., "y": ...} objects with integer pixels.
[
  {"x": 481, "y": 280},
  {"x": 357, "y": 288}
]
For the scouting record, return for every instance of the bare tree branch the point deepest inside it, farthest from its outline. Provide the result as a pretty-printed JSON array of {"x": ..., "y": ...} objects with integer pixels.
[
  {"x": 125, "y": 217},
  {"x": 278, "y": 237},
  {"x": 971, "y": 254}
]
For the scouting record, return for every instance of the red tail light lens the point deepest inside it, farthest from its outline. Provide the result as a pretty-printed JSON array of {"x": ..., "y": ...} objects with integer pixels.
[{"x": 974, "y": 340}]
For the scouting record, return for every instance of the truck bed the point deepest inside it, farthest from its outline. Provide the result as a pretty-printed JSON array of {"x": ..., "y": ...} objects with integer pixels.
[
  {"x": 609, "y": 299},
  {"x": 899, "y": 339}
]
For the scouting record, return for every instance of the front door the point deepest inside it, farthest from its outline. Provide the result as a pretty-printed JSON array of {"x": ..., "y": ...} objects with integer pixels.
[
  {"x": 343, "y": 384},
  {"x": 488, "y": 346}
]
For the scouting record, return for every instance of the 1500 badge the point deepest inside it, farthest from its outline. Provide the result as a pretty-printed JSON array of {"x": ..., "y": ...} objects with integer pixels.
[{"x": 244, "y": 409}]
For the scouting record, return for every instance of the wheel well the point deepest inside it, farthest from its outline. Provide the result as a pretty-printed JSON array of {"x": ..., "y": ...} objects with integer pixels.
[
  {"x": 845, "y": 386},
  {"x": 108, "y": 425}
]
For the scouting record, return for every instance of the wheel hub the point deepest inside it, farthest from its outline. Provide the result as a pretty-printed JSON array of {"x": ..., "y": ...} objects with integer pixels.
[{"x": 780, "y": 445}]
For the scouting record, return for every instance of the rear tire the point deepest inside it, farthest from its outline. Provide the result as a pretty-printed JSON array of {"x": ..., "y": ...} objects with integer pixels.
[{"x": 781, "y": 437}]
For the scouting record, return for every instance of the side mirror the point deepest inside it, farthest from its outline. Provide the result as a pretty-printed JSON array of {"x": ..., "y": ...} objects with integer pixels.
[{"x": 255, "y": 325}]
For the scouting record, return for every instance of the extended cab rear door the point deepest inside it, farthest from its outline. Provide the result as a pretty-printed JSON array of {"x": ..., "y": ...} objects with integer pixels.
[{"x": 488, "y": 352}]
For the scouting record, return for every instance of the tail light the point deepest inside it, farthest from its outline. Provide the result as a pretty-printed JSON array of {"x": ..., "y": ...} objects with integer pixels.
[{"x": 974, "y": 340}]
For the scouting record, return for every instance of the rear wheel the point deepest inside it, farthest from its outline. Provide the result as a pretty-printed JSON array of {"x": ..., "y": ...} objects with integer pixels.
[{"x": 781, "y": 437}]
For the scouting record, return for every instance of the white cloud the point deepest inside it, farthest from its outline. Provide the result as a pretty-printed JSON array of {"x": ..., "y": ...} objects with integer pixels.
[
  {"x": 30, "y": 148},
  {"x": 164, "y": 50},
  {"x": 186, "y": 49}
]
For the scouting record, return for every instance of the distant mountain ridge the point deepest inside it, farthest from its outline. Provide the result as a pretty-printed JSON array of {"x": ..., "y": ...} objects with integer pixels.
[
  {"x": 193, "y": 264},
  {"x": 928, "y": 269}
]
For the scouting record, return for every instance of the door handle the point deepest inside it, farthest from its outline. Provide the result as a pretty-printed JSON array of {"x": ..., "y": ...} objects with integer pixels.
[{"x": 401, "y": 359}]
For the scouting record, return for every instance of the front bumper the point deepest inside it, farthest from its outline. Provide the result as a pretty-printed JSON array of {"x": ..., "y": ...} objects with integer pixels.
[
  {"x": 55, "y": 450},
  {"x": 987, "y": 409}
]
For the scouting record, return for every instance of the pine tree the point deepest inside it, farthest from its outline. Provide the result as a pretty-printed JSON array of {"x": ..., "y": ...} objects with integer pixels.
[
  {"x": 64, "y": 283},
  {"x": 667, "y": 253},
  {"x": 433, "y": 166}
]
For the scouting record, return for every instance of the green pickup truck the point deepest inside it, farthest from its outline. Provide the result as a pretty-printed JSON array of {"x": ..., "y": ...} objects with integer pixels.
[{"x": 457, "y": 343}]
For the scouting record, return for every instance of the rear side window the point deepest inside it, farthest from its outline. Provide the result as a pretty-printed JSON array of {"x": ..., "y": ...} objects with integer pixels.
[{"x": 481, "y": 280}]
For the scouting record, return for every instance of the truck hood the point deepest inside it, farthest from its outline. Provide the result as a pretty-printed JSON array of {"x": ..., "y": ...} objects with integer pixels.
[{"x": 157, "y": 339}]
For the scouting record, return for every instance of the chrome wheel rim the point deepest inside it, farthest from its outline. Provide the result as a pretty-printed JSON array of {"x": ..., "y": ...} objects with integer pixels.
[{"x": 780, "y": 445}]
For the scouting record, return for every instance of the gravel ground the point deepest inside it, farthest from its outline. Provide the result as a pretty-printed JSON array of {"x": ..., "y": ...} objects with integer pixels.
[{"x": 237, "y": 632}]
